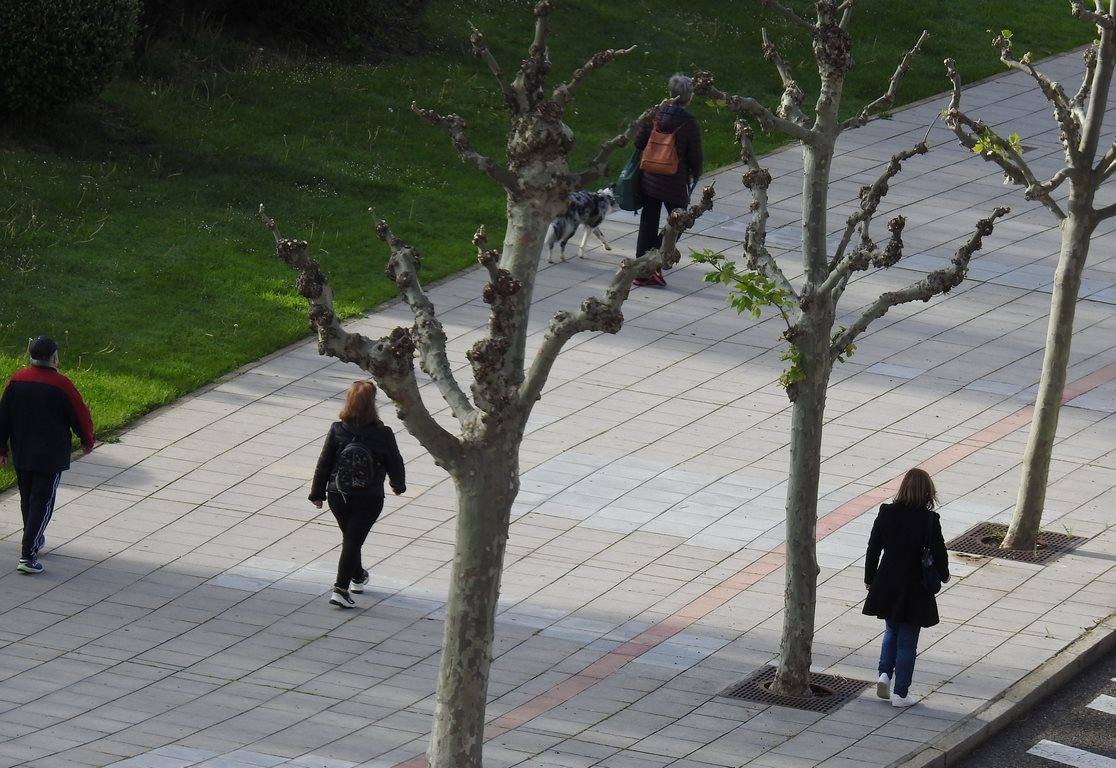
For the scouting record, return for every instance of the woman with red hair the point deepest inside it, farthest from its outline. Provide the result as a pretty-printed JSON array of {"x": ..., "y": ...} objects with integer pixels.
[{"x": 359, "y": 452}]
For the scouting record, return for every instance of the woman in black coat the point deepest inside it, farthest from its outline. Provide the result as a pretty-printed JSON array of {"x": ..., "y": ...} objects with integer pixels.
[
  {"x": 356, "y": 510},
  {"x": 895, "y": 590}
]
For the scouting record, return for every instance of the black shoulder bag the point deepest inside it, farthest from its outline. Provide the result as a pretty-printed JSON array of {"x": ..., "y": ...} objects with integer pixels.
[{"x": 931, "y": 579}]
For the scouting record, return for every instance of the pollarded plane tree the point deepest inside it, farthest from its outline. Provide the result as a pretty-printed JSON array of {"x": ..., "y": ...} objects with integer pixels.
[
  {"x": 482, "y": 457},
  {"x": 1079, "y": 119},
  {"x": 810, "y": 309}
]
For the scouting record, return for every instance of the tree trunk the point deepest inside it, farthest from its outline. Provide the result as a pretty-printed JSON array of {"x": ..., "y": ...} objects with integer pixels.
[
  {"x": 523, "y": 244},
  {"x": 1077, "y": 229},
  {"x": 486, "y": 488},
  {"x": 792, "y": 678},
  {"x": 817, "y": 162}
]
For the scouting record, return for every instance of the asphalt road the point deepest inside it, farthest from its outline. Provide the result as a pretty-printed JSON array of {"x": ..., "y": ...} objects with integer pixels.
[{"x": 1066, "y": 719}]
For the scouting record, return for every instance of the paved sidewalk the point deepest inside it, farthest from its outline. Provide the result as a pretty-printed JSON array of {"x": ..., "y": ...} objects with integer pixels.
[{"x": 182, "y": 619}]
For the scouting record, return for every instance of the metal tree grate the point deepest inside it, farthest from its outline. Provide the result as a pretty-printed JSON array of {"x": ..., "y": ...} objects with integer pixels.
[
  {"x": 830, "y": 691},
  {"x": 984, "y": 539}
]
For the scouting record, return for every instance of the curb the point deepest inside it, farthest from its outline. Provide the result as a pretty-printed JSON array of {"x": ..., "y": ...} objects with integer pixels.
[{"x": 953, "y": 745}]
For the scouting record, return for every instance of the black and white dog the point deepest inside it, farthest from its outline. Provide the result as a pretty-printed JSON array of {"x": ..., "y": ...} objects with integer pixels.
[{"x": 586, "y": 209}]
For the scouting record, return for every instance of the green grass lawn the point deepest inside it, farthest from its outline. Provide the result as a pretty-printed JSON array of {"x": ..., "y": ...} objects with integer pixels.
[{"x": 128, "y": 228}]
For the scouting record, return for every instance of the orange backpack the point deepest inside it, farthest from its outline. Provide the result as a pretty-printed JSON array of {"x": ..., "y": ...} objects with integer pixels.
[{"x": 660, "y": 156}]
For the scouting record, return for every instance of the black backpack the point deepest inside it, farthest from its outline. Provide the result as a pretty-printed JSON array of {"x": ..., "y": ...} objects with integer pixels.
[{"x": 357, "y": 469}]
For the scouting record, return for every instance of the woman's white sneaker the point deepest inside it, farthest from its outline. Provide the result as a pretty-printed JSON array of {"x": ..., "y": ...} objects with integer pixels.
[
  {"x": 902, "y": 701},
  {"x": 341, "y": 599},
  {"x": 358, "y": 586},
  {"x": 883, "y": 686}
]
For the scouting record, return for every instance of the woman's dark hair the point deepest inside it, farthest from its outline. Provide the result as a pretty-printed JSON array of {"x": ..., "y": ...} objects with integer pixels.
[
  {"x": 360, "y": 404},
  {"x": 917, "y": 490}
]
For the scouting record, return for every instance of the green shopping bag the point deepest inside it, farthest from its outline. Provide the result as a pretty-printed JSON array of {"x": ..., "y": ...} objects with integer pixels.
[{"x": 626, "y": 188}]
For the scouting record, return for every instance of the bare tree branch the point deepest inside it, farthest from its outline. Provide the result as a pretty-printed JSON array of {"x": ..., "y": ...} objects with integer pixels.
[
  {"x": 758, "y": 179},
  {"x": 938, "y": 282},
  {"x": 888, "y": 99},
  {"x": 1098, "y": 17},
  {"x": 1105, "y": 212},
  {"x": 598, "y": 166},
  {"x": 969, "y": 131},
  {"x": 533, "y": 70},
  {"x": 563, "y": 94},
  {"x": 486, "y": 257},
  {"x": 428, "y": 334},
  {"x": 788, "y": 14},
  {"x": 515, "y": 100},
  {"x": 870, "y": 198},
  {"x": 744, "y": 105},
  {"x": 604, "y": 313},
  {"x": 790, "y": 105},
  {"x": 495, "y": 381},
  {"x": 1078, "y": 100},
  {"x": 1107, "y": 164},
  {"x": 868, "y": 255},
  {"x": 390, "y": 359},
  {"x": 1055, "y": 94},
  {"x": 1056, "y": 180},
  {"x": 454, "y": 125},
  {"x": 846, "y": 9}
]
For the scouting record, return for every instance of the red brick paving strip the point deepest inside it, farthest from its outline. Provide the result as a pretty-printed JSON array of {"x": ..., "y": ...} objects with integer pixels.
[{"x": 715, "y": 597}]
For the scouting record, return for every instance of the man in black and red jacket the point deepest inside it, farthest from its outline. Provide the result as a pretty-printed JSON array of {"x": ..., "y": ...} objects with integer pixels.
[{"x": 38, "y": 410}]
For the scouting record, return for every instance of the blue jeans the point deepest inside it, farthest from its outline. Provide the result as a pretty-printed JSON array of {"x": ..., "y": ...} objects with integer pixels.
[{"x": 897, "y": 656}]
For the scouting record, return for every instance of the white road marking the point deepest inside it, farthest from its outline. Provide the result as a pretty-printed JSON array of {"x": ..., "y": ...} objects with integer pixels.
[
  {"x": 1078, "y": 758},
  {"x": 1104, "y": 703}
]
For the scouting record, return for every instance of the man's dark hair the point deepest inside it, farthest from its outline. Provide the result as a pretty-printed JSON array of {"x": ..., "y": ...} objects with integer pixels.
[{"x": 42, "y": 348}]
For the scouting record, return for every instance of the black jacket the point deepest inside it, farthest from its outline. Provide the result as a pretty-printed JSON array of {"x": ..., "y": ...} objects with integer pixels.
[
  {"x": 674, "y": 190},
  {"x": 39, "y": 409},
  {"x": 377, "y": 438},
  {"x": 895, "y": 589}
]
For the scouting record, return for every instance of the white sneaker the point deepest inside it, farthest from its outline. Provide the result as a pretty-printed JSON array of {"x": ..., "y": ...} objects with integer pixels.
[
  {"x": 883, "y": 686},
  {"x": 902, "y": 701},
  {"x": 341, "y": 599},
  {"x": 358, "y": 586}
]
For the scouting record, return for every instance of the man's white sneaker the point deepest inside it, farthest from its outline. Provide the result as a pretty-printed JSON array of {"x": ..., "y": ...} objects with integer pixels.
[
  {"x": 902, "y": 701},
  {"x": 883, "y": 686}
]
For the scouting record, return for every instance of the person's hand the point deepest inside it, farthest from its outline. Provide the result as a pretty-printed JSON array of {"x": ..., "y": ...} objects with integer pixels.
[
  {"x": 868, "y": 586},
  {"x": 399, "y": 491},
  {"x": 317, "y": 503},
  {"x": 3, "y": 459}
]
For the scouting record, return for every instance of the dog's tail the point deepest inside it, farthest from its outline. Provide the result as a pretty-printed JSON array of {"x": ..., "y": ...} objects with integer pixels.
[{"x": 551, "y": 237}]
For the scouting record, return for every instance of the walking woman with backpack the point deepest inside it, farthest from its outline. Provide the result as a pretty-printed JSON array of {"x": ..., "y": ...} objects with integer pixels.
[
  {"x": 670, "y": 166},
  {"x": 901, "y": 586},
  {"x": 359, "y": 452}
]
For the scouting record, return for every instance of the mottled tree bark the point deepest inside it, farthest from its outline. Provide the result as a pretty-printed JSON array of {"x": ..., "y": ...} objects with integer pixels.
[
  {"x": 801, "y": 581},
  {"x": 1077, "y": 231},
  {"x": 483, "y": 457},
  {"x": 810, "y": 309},
  {"x": 486, "y": 487},
  {"x": 1080, "y": 120}
]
